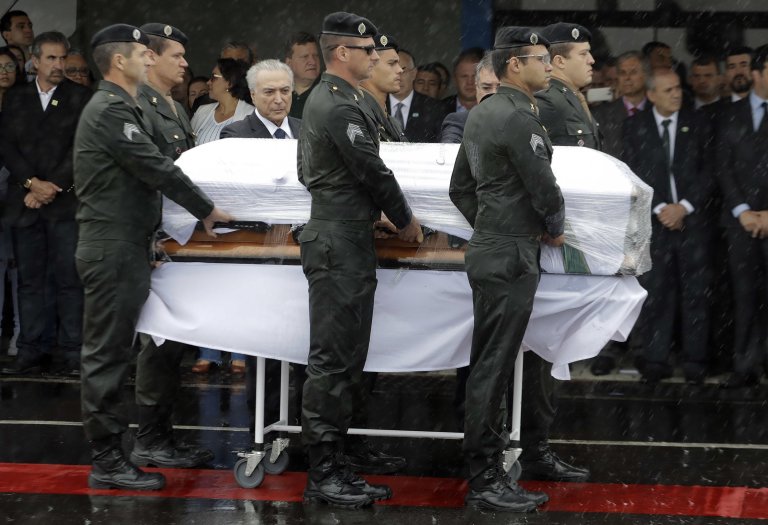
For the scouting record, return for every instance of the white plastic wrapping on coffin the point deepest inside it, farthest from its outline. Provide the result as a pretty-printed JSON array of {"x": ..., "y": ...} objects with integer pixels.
[{"x": 607, "y": 207}]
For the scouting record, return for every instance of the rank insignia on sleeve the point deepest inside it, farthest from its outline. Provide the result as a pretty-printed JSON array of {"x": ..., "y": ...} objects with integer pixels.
[
  {"x": 129, "y": 129},
  {"x": 538, "y": 146},
  {"x": 353, "y": 131}
]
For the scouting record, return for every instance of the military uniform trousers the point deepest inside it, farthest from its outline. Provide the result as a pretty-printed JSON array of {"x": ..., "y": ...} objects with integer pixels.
[
  {"x": 503, "y": 271},
  {"x": 116, "y": 278},
  {"x": 339, "y": 261}
]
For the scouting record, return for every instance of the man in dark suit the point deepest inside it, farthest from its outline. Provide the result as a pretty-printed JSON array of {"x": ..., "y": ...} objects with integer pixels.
[
  {"x": 39, "y": 122},
  {"x": 420, "y": 116},
  {"x": 670, "y": 147},
  {"x": 486, "y": 84},
  {"x": 742, "y": 161},
  {"x": 464, "y": 67},
  {"x": 611, "y": 116},
  {"x": 271, "y": 85}
]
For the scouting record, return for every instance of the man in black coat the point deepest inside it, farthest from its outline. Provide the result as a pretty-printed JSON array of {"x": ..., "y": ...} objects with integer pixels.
[
  {"x": 39, "y": 122},
  {"x": 742, "y": 161},
  {"x": 669, "y": 147},
  {"x": 271, "y": 85},
  {"x": 486, "y": 84},
  {"x": 420, "y": 116}
]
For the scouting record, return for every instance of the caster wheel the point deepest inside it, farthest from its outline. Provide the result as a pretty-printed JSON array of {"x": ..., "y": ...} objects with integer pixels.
[
  {"x": 515, "y": 470},
  {"x": 279, "y": 466},
  {"x": 252, "y": 481}
]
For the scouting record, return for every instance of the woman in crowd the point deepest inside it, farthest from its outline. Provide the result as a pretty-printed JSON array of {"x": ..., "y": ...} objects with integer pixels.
[
  {"x": 229, "y": 89},
  {"x": 10, "y": 75},
  {"x": 198, "y": 86}
]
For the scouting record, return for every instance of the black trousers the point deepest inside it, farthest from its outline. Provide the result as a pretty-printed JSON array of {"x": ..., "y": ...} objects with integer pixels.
[
  {"x": 44, "y": 248},
  {"x": 339, "y": 261},
  {"x": 680, "y": 283},
  {"x": 116, "y": 277},
  {"x": 503, "y": 272},
  {"x": 748, "y": 260}
]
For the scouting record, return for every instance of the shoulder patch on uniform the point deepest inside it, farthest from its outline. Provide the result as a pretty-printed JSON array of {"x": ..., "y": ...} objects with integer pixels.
[
  {"x": 129, "y": 129},
  {"x": 353, "y": 131},
  {"x": 538, "y": 146}
]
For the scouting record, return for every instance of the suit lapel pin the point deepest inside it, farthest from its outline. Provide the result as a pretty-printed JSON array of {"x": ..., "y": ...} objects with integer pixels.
[
  {"x": 415, "y": 115},
  {"x": 684, "y": 129},
  {"x": 54, "y": 102}
]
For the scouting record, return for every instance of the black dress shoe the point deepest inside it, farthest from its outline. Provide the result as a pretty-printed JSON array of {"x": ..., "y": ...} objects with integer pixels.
[
  {"x": 543, "y": 464},
  {"x": 494, "y": 492},
  {"x": 376, "y": 492},
  {"x": 22, "y": 367},
  {"x": 655, "y": 372},
  {"x": 335, "y": 488},
  {"x": 741, "y": 380},
  {"x": 170, "y": 455},
  {"x": 113, "y": 471},
  {"x": 602, "y": 365},
  {"x": 361, "y": 457},
  {"x": 538, "y": 497}
]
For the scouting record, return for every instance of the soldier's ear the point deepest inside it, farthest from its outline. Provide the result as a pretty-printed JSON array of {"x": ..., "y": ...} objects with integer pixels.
[{"x": 558, "y": 61}]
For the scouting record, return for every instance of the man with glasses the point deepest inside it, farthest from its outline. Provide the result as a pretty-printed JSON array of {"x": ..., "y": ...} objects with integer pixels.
[
  {"x": 503, "y": 184},
  {"x": 339, "y": 163},
  {"x": 76, "y": 68}
]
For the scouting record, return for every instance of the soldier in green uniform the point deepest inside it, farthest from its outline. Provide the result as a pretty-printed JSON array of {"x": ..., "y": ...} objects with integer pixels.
[
  {"x": 503, "y": 184},
  {"x": 564, "y": 112},
  {"x": 119, "y": 176},
  {"x": 563, "y": 108},
  {"x": 385, "y": 79},
  {"x": 158, "y": 370},
  {"x": 339, "y": 163}
]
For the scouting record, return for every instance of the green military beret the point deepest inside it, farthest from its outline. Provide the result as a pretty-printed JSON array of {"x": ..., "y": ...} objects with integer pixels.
[
  {"x": 563, "y": 32},
  {"x": 510, "y": 37},
  {"x": 119, "y": 33},
  {"x": 382, "y": 42},
  {"x": 348, "y": 24},
  {"x": 165, "y": 31}
]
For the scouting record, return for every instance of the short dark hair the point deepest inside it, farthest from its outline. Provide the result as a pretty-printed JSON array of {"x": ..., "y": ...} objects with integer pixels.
[
  {"x": 158, "y": 44},
  {"x": 5, "y": 21},
  {"x": 199, "y": 78},
  {"x": 298, "y": 39},
  {"x": 447, "y": 77},
  {"x": 650, "y": 46},
  {"x": 49, "y": 37},
  {"x": 20, "y": 78},
  {"x": 561, "y": 48},
  {"x": 759, "y": 58},
  {"x": 740, "y": 50},
  {"x": 474, "y": 54},
  {"x": 234, "y": 72},
  {"x": 430, "y": 68},
  {"x": 235, "y": 44},
  {"x": 705, "y": 60},
  {"x": 102, "y": 54},
  {"x": 500, "y": 58}
]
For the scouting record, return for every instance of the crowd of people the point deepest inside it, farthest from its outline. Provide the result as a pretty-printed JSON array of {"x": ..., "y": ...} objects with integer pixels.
[{"x": 76, "y": 229}]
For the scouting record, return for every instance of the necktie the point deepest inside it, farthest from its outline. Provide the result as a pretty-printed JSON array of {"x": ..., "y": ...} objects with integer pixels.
[
  {"x": 632, "y": 111},
  {"x": 280, "y": 134},
  {"x": 668, "y": 152},
  {"x": 764, "y": 121},
  {"x": 399, "y": 114},
  {"x": 584, "y": 104}
]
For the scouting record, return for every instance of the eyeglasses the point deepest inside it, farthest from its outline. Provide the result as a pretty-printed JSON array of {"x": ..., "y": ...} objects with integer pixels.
[
  {"x": 368, "y": 49},
  {"x": 8, "y": 68},
  {"x": 80, "y": 71},
  {"x": 214, "y": 75},
  {"x": 545, "y": 59}
]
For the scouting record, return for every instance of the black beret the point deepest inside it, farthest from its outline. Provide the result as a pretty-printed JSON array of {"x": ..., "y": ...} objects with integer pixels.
[
  {"x": 165, "y": 31},
  {"x": 348, "y": 24},
  {"x": 563, "y": 32},
  {"x": 383, "y": 42},
  {"x": 510, "y": 37},
  {"x": 119, "y": 33}
]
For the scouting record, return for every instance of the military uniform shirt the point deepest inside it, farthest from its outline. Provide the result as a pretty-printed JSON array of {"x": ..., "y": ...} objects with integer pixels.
[{"x": 565, "y": 119}]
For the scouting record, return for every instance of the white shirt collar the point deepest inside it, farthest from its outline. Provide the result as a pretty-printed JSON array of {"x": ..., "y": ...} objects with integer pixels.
[
  {"x": 406, "y": 102},
  {"x": 659, "y": 119},
  {"x": 45, "y": 96},
  {"x": 271, "y": 127}
]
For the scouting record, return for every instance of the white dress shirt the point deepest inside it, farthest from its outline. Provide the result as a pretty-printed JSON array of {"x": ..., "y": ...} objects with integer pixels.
[
  {"x": 672, "y": 135},
  {"x": 45, "y": 96},
  {"x": 406, "y": 102},
  {"x": 271, "y": 127}
]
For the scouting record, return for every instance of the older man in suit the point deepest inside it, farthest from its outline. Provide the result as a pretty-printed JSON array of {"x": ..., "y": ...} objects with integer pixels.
[
  {"x": 39, "y": 122},
  {"x": 742, "y": 161},
  {"x": 486, "y": 84},
  {"x": 670, "y": 148},
  {"x": 271, "y": 85}
]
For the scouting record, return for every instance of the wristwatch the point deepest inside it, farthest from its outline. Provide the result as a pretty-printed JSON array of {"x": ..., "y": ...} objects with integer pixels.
[{"x": 27, "y": 184}]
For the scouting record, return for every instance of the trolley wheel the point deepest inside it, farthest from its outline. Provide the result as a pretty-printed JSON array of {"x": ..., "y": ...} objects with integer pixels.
[
  {"x": 279, "y": 466},
  {"x": 515, "y": 471},
  {"x": 252, "y": 481}
]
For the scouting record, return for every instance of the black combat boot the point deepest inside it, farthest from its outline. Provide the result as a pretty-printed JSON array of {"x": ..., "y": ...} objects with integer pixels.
[
  {"x": 541, "y": 463},
  {"x": 494, "y": 490},
  {"x": 155, "y": 445},
  {"x": 111, "y": 470},
  {"x": 330, "y": 482}
]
